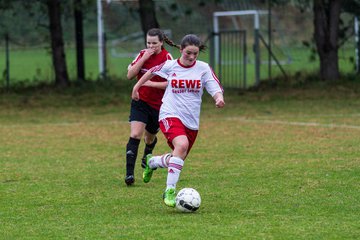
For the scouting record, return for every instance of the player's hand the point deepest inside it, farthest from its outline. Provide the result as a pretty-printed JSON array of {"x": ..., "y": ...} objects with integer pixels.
[
  {"x": 219, "y": 100},
  {"x": 148, "y": 52},
  {"x": 220, "y": 103},
  {"x": 135, "y": 94}
]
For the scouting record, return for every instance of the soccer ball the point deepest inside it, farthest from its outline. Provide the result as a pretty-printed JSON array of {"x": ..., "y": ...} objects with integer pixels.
[{"x": 188, "y": 200}]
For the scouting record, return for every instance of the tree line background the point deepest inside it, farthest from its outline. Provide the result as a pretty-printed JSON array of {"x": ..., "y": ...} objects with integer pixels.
[{"x": 322, "y": 26}]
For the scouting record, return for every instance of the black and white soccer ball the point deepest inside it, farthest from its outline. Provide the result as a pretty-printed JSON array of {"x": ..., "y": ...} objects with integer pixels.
[{"x": 188, "y": 200}]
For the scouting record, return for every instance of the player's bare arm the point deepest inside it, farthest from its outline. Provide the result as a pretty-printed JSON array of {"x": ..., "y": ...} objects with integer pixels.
[
  {"x": 135, "y": 93},
  {"x": 160, "y": 85}
]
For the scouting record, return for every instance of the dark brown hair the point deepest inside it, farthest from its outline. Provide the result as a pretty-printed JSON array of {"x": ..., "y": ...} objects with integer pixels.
[
  {"x": 192, "y": 40},
  {"x": 162, "y": 37}
]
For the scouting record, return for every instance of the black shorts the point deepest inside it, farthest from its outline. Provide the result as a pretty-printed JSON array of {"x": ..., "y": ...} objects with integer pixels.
[{"x": 140, "y": 111}]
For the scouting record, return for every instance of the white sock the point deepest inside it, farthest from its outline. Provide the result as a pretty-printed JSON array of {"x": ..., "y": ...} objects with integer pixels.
[
  {"x": 159, "y": 161},
  {"x": 175, "y": 166}
]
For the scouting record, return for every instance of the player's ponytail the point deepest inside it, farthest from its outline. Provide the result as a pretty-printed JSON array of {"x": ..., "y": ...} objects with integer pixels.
[
  {"x": 162, "y": 37},
  {"x": 170, "y": 42}
]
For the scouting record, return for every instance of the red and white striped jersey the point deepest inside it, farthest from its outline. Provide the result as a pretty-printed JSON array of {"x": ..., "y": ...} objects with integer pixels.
[{"x": 182, "y": 98}]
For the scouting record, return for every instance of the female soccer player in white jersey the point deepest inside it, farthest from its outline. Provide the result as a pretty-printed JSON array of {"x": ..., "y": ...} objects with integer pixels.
[{"x": 180, "y": 109}]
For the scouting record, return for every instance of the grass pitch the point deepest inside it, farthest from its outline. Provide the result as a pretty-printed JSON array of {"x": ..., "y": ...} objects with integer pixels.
[{"x": 275, "y": 164}]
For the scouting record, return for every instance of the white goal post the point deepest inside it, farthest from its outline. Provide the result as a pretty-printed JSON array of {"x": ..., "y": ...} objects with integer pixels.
[
  {"x": 101, "y": 42},
  {"x": 216, "y": 30}
]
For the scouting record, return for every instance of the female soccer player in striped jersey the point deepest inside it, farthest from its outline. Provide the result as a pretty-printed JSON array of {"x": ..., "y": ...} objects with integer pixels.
[
  {"x": 144, "y": 113},
  {"x": 180, "y": 109}
]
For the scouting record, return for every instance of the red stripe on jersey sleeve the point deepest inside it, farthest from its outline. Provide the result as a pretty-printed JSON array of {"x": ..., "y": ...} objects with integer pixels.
[
  {"x": 169, "y": 57},
  {"x": 157, "y": 68},
  {"x": 216, "y": 79}
]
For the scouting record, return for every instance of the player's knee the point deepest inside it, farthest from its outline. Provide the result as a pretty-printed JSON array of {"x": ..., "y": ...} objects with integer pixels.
[
  {"x": 136, "y": 135},
  {"x": 182, "y": 147},
  {"x": 149, "y": 139}
]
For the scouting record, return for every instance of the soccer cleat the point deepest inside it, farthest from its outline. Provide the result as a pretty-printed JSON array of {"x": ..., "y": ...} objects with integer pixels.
[
  {"x": 148, "y": 150},
  {"x": 169, "y": 197},
  {"x": 147, "y": 174},
  {"x": 129, "y": 180}
]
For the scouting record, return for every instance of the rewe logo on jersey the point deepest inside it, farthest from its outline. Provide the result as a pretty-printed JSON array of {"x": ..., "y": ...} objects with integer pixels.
[{"x": 186, "y": 83}]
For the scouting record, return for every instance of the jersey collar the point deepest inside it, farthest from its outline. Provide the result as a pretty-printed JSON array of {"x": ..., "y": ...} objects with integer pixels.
[{"x": 178, "y": 60}]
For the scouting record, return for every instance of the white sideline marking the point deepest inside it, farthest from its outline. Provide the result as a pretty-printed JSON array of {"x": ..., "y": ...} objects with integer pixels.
[
  {"x": 306, "y": 124},
  {"x": 352, "y": 115}
]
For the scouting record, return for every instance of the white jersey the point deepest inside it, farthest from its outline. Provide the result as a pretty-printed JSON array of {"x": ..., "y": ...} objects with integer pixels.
[{"x": 182, "y": 98}]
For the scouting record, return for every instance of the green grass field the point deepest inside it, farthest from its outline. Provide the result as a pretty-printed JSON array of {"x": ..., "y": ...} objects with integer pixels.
[{"x": 275, "y": 164}]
